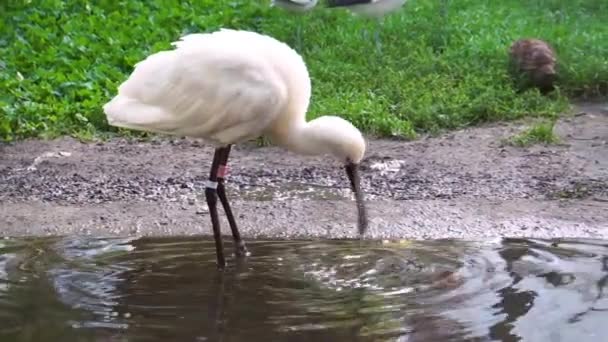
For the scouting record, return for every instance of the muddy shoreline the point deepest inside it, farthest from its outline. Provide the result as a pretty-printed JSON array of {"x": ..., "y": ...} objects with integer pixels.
[{"x": 463, "y": 184}]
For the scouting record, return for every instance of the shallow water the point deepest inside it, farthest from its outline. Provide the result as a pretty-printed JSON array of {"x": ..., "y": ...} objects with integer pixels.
[{"x": 83, "y": 289}]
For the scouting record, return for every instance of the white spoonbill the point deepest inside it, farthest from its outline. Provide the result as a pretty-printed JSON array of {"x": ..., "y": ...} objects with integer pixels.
[
  {"x": 299, "y": 7},
  {"x": 369, "y": 8},
  {"x": 227, "y": 87}
]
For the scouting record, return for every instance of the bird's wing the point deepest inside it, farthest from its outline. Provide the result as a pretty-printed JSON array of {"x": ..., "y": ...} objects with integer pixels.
[{"x": 213, "y": 89}]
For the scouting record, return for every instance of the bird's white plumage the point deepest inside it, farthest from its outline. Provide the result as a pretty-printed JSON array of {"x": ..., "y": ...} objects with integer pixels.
[
  {"x": 227, "y": 87},
  {"x": 207, "y": 87}
]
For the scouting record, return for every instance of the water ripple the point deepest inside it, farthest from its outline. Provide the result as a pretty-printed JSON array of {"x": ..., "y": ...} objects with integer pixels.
[{"x": 158, "y": 289}]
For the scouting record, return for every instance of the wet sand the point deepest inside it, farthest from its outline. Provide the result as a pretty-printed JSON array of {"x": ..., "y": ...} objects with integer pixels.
[{"x": 462, "y": 184}]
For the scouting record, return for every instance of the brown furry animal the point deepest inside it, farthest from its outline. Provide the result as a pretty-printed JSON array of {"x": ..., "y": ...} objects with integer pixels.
[{"x": 535, "y": 60}]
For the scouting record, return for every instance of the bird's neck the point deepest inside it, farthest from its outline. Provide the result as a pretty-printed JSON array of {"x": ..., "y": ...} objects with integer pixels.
[{"x": 301, "y": 138}]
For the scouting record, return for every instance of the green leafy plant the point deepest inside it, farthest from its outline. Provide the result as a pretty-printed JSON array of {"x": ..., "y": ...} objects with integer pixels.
[
  {"x": 443, "y": 64},
  {"x": 539, "y": 133}
]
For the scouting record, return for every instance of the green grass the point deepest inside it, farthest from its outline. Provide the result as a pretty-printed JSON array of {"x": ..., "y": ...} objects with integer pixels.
[
  {"x": 539, "y": 133},
  {"x": 443, "y": 63}
]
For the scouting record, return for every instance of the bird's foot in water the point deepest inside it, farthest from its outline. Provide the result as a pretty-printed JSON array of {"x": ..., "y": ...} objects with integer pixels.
[{"x": 240, "y": 250}]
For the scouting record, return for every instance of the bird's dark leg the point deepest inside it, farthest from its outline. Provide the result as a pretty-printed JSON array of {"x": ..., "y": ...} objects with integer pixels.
[
  {"x": 211, "y": 196},
  {"x": 241, "y": 250}
]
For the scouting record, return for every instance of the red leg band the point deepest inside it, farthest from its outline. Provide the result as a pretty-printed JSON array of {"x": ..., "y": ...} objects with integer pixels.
[{"x": 222, "y": 171}]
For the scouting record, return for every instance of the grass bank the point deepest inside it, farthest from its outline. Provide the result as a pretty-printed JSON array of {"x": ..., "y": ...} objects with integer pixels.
[{"x": 443, "y": 63}]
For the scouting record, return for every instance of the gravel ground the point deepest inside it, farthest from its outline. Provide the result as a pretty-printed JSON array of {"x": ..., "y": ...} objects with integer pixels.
[{"x": 464, "y": 184}]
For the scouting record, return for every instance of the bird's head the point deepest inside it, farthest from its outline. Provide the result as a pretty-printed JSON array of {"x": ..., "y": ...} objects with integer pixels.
[
  {"x": 345, "y": 142},
  {"x": 338, "y": 137}
]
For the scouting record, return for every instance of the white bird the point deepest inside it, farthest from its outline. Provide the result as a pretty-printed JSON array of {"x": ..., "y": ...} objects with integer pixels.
[
  {"x": 228, "y": 87},
  {"x": 296, "y": 6},
  {"x": 376, "y": 9}
]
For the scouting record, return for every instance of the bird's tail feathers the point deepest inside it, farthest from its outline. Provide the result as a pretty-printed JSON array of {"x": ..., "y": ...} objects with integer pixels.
[{"x": 126, "y": 112}]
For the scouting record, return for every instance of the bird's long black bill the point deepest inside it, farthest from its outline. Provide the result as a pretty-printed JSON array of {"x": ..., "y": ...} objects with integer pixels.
[{"x": 352, "y": 170}]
